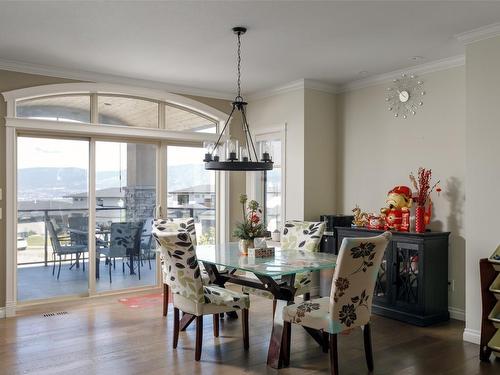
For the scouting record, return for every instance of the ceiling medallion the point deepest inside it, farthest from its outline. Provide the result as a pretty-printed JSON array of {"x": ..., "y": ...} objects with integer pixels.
[
  {"x": 228, "y": 156},
  {"x": 405, "y": 95}
]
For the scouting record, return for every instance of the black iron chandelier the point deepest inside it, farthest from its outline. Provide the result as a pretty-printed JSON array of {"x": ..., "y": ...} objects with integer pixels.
[{"x": 229, "y": 156}]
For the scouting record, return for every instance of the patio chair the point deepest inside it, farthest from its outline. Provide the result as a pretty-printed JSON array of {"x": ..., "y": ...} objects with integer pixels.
[
  {"x": 147, "y": 241},
  {"x": 78, "y": 227},
  {"x": 297, "y": 235},
  {"x": 190, "y": 294},
  {"x": 124, "y": 242},
  {"x": 350, "y": 302},
  {"x": 59, "y": 250}
]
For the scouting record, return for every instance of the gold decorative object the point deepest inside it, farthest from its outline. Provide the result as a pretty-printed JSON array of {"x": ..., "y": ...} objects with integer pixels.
[{"x": 360, "y": 218}]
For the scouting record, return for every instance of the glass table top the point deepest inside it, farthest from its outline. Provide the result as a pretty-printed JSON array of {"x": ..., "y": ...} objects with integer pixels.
[{"x": 284, "y": 262}]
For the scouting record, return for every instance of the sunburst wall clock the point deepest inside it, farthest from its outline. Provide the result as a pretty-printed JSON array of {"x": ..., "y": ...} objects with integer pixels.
[{"x": 404, "y": 96}]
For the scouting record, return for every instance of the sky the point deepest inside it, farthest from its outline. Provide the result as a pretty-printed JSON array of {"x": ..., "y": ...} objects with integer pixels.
[{"x": 66, "y": 153}]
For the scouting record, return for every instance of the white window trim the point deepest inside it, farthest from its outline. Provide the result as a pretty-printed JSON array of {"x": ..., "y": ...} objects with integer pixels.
[
  {"x": 90, "y": 130},
  {"x": 272, "y": 133}
]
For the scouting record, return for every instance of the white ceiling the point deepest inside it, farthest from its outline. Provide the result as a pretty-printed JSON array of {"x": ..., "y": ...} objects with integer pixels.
[{"x": 191, "y": 43}]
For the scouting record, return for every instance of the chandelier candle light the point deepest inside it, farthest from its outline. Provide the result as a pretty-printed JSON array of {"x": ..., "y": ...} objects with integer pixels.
[{"x": 230, "y": 156}]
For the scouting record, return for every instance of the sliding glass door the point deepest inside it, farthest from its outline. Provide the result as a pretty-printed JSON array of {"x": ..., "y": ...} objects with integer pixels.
[
  {"x": 191, "y": 190},
  {"x": 125, "y": 192},
  {"x": 52, "y": 227},
  {"x": 59, "y": 227}
]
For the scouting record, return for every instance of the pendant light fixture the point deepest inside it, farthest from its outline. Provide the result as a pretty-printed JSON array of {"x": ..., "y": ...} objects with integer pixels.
[{"x": 229, "y": 156}]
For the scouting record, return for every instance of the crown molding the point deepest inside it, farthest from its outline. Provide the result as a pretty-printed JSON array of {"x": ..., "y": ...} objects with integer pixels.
[
  {"x": 429, "y": 67},
  {"x": 481, "y": 33},
  {"x": 299, "y": 84},
  {"x": 22, "y": 67}
]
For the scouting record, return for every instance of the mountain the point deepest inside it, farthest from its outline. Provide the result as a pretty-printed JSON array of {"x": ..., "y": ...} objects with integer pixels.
[{"x": 38, "y": 183}]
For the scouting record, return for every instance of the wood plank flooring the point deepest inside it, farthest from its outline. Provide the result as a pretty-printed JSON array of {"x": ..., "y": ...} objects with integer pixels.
[{"x": 103, "y": 336}]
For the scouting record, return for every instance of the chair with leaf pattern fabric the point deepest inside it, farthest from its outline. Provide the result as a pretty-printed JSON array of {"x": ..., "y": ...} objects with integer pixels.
[
  {"x": 190, "y": 295},
  {"x": 175, "y": 225},
  {"x": 350, "y": 302},
  {"x": 297, "y": 235}
]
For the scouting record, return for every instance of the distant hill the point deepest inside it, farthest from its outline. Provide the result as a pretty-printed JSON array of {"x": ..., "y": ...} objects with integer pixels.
[{"x": 59, "y": 182}]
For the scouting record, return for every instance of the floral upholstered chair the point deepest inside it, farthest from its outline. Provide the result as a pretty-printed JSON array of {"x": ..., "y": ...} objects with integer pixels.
[
  {"x": 174, "y": 225},
  {"x": 297, "y": 235},
  {"x": 350, "y": 302},
  {"x": 190, "y": 294}
]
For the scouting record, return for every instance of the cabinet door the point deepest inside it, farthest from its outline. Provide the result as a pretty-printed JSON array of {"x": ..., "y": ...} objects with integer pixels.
[
  {"x": 381, "y": 295},
  {"x": 407, "y": 276}
]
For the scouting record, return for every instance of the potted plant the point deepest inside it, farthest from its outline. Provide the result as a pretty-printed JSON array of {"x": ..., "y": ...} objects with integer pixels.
[{"x": 252, "y": 225}]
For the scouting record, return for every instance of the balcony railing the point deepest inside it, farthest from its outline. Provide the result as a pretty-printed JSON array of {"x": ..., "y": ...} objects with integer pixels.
[{"x": 45, "y": 214}]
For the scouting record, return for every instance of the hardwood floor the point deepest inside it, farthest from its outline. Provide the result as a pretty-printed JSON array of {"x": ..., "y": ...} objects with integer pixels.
[{"x": 103, "y": 336}]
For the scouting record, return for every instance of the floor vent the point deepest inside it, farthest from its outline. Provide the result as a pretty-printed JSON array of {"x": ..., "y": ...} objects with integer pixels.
[{"x": 47, "y": 315}]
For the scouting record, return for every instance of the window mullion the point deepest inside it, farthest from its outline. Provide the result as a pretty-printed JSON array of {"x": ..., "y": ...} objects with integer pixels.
[{"x": 94, "y": 110}]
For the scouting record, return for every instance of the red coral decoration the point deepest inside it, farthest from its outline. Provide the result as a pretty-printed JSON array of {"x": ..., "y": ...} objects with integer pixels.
[{"x": 422, "y": 185}]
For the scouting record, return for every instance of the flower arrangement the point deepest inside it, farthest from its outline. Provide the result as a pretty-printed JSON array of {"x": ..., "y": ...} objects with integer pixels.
[
  {"x": 252, "y": 225},
  {"x": 423, "y": 188},
  {"x": 422, "y": 185}
]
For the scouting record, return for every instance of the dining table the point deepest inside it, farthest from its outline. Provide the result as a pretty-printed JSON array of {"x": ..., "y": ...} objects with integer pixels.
[{"x": 276, "y": 274}]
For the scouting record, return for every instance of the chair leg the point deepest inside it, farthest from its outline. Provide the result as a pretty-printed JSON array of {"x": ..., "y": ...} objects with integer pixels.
[
  {"x": 53, "y": 264},
  {"x": 110, "y": 273},
  {"x": 216, "y": 325},
  {"x": 325, "y": 342},
  {"x": 165, "y": 299},
  {"x": 244, "y": 322},
  {"x": 59, "y": 269},
  {"x": 139, "y": 268},
  {"x": 367, "y": 336},
  {"x": 199, "y": 337},
  {"x": 287, "y": 330},
  {"x": 176, "y": 327},
  {"x": 83, "y": 262},
  {"x": 274, "y": 307},
  {"x": 307, "y": 296},
  {"x": 334, "y": 356}
]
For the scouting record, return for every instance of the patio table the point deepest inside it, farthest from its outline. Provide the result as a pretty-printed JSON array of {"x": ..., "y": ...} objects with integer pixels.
[{"x": 274, "y": 274}]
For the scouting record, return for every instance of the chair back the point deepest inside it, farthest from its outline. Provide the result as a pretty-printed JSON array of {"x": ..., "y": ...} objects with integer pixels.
[
  {"x": 181, "y": 262},
  {"x": 146, "y": 235},
  {"x": 354, "y": 280},
  {"x": 185, "y": 224},
  {"x": 125, "y": 238},
  {"x": 54, "y": 240},
  {"x": 302, "y": 235},
  {"x": 80, "y": 223}
]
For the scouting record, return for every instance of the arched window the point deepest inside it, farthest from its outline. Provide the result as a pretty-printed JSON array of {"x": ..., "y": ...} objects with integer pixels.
[{"x": 114, "y": 105}]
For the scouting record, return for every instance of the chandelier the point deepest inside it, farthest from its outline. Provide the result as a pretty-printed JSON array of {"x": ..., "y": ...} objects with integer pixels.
[{"x": 229, "y": 156}]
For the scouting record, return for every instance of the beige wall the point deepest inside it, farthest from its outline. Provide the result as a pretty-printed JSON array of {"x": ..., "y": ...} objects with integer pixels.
[
  {"x": 275, "y": 111},
  {"x": 482, "y": 168},
  {"x": 319, "y": 154},
  {"x": 13, "y": 80},
  {"x": 377, "y": 151}
]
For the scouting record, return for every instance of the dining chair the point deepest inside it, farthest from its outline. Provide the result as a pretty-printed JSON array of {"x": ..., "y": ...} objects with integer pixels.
[
  {"x": 124, "y": 242},
  {"x": 297, "y": 235},
  {"x": 350, "y": 302},
  {"x": 190, "y": 295},
  {"x": 175, "y": 225},
  {"x": 60, "y": 250}
]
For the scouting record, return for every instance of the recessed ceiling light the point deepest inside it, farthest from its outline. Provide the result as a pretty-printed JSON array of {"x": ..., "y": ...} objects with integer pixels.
[
  {"x": 416, "y": 58},
  {"x": 363, "y": 73}
]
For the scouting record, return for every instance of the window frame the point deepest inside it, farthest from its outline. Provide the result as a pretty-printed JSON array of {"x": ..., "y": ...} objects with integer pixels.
[
  {"x": 272, "y": 133},
  {"x": 52, "y": 128}
]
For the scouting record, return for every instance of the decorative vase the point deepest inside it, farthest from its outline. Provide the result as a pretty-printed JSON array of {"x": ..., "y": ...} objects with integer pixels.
[
  {"x": 420, "y": 219},
  {"x": 244, "y": 245}
]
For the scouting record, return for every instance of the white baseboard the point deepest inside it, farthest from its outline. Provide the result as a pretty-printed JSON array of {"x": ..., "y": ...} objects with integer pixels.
[
  {"x": 472, "y": 335},
  {"x": 457, "y": 314},
  {"x": 2, "y": 312}
]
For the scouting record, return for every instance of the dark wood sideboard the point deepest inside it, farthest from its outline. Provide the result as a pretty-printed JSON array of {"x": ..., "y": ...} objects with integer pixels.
[{"x": 412, "y": 284}]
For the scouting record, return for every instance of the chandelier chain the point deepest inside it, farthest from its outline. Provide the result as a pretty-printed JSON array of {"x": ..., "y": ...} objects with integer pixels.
[{"x": 239, "y": 66}]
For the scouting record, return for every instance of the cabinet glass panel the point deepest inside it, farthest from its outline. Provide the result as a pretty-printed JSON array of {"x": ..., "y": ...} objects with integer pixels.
[
  {"x": 407, "y": 275},
  {"x": 381, "y": 285}
]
